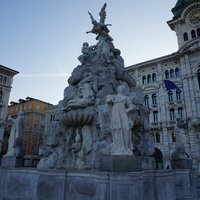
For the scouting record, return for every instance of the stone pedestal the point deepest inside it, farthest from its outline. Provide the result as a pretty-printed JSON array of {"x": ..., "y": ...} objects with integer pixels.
[
  {"x": 124, "y": 163},
  {"x": 12, "y": 161},
  {"x": 182, "y": 163},
  {"x": 33, "y": 184}
]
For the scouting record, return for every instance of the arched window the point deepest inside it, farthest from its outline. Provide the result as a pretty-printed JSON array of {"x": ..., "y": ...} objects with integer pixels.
[
  {"x": 170, "y": 96},
  {"x": 1, "y": 94},
  {"x": 185, "y": 36},
  {"x": 193, "y": 34},
  {"x": 144, "y": 80},
  {"x": 155, "y": 116},
  {"x": 178, "y": 95},
  {"x": 149, "y": 78},
  {"x": 172, "y": 114},
  {"x": 198, "y": 32},
  {"x": 154, "y": 99},
  {"x": 173, "y": 137},
  {"x": 154, "y": 77},
  {"x": 146, "y": 100},
  {"x": 177, "y": 72},
  {"x": 166, "y": 74},
  {"x": 198, "y": 76},
  {"x": 171, "y": 73},
  {"x": 157, "y": 137},
  {"x": 180, "y": 112}
]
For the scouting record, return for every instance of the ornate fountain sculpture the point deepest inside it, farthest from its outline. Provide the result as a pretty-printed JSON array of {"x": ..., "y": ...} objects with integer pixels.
[{"x": 102, "y": 118}]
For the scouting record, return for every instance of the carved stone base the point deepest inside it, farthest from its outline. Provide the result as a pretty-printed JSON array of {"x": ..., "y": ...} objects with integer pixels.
[
  {"x": 124, "y": 163},
  {"x": 33, "y": 184},
  {"x": 12, "y": 161},
  {"x": 182, "y": 163}
]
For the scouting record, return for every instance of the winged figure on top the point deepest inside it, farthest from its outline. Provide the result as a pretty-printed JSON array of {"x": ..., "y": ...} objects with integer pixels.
[{"x": 100, "y": 28}]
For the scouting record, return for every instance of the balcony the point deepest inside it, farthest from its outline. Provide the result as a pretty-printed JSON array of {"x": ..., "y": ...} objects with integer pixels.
[
  {"x": 171, "y": 123},
  {"x": 156, "y": 125}
]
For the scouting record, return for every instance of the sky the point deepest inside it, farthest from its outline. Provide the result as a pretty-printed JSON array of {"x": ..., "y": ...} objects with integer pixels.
[{"x": 41, "y": 39}]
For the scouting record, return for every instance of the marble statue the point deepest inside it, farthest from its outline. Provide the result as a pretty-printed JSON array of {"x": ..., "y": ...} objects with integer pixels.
[
  {"x": 101, "y": 114},
  {"x": 15, "y": 143},
  {"x": 53, "y": 147},
  {"x": 181, "y": 143},
  {"x": 103, "y": 50},
  {"x": 100, "y": 28},
  {"x": 121, "y": 123}
]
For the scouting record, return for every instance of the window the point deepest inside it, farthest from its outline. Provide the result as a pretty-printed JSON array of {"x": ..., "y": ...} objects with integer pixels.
[
  {"x": 198, "y": 32},
  {"x": 177, "y": 72},
  {"x": 167, "y": 74},
  {"x": 4, "y": 80},
  {"x": 180, "y": 112},
  {"x": 173, "y": 137},
  {"x": 149, "y": 78},
  {"x": 185, "y": 36},
  {"x": 157, "y": 137},
  {"x": 178, "y": 95},
  {"x": 154, "y": 77},
  {"x": 146, "y": 100},
  {"x": 1, "y": 95},
  {"x": 144, "y": 80},
  {"x": 52, "y": 118},
  {"x": 171, "y": 73},
  {"x": 198, "y": 76},
  {"x": 1, "y": 78},
  {"x": 37, "y": 106},
  {"x": 155, "y": 116},
  {"x": 172, "y": 114},
  {"x": 193, "y": 34},
  {"x": 170, "y": 96},
  {"x": 154, "y": 99}
]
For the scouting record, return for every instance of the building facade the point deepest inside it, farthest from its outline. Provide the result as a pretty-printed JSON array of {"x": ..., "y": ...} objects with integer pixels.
[
  {"x": 6, "y": 80},
  {"x": 34, "y": 114},
  {"x": 182, "y": 100}
]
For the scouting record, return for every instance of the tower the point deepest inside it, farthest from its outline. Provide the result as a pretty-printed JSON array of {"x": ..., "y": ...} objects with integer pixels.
[{"x": 186, "y": 23}]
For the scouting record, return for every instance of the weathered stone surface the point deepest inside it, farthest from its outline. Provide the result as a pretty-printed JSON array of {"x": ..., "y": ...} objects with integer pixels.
[
  {"x": 18, "y": 184},
  {"x": 28, "y": 184},
  {"x": 12, "y": 161},
  {"x": 183, "y": 184},
  {"x": 163, "y": 183},
  {"x": 182, "y": 163},
  {"x": 51, "y": 186},
  {"x": 119, "y": 164}
]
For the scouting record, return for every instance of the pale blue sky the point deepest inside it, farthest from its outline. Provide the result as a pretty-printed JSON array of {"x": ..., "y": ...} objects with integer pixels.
[{"x": 43, "y": 38}]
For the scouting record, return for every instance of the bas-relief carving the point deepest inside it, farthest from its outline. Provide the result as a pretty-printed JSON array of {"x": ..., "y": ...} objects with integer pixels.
[
  {"x": 23, "y": 185},
  {"x": 101, "y": 112},
  {"x": 82, "y": 189}
]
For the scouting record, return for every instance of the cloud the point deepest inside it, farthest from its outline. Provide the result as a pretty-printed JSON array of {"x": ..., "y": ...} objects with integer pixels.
[{"x": 42, "y": 75}]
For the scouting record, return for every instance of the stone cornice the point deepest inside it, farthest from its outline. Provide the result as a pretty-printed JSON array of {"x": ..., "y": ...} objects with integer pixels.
[{"x": 160, "y": 60}]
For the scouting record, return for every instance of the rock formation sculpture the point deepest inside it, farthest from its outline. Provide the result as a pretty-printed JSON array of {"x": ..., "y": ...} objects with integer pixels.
[{"x": 102, "y": 113}]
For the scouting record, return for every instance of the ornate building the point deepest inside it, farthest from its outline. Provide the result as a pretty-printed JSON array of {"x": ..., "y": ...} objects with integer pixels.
[
  {"x": 6, "y": 80},
  {"x": 182, "y": 100},
  {"x": 34, "y": 113}
]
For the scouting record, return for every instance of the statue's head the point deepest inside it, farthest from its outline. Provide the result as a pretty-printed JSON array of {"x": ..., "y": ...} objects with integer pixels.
[
  {"x": 121, "y": 89},
  {"x": 85, "y": 44}
]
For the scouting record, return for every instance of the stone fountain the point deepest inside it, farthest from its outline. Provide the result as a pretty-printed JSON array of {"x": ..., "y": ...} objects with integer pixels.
[
  {"x": 102, "y": 123},
  {"x": 100, "y": 147}
]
